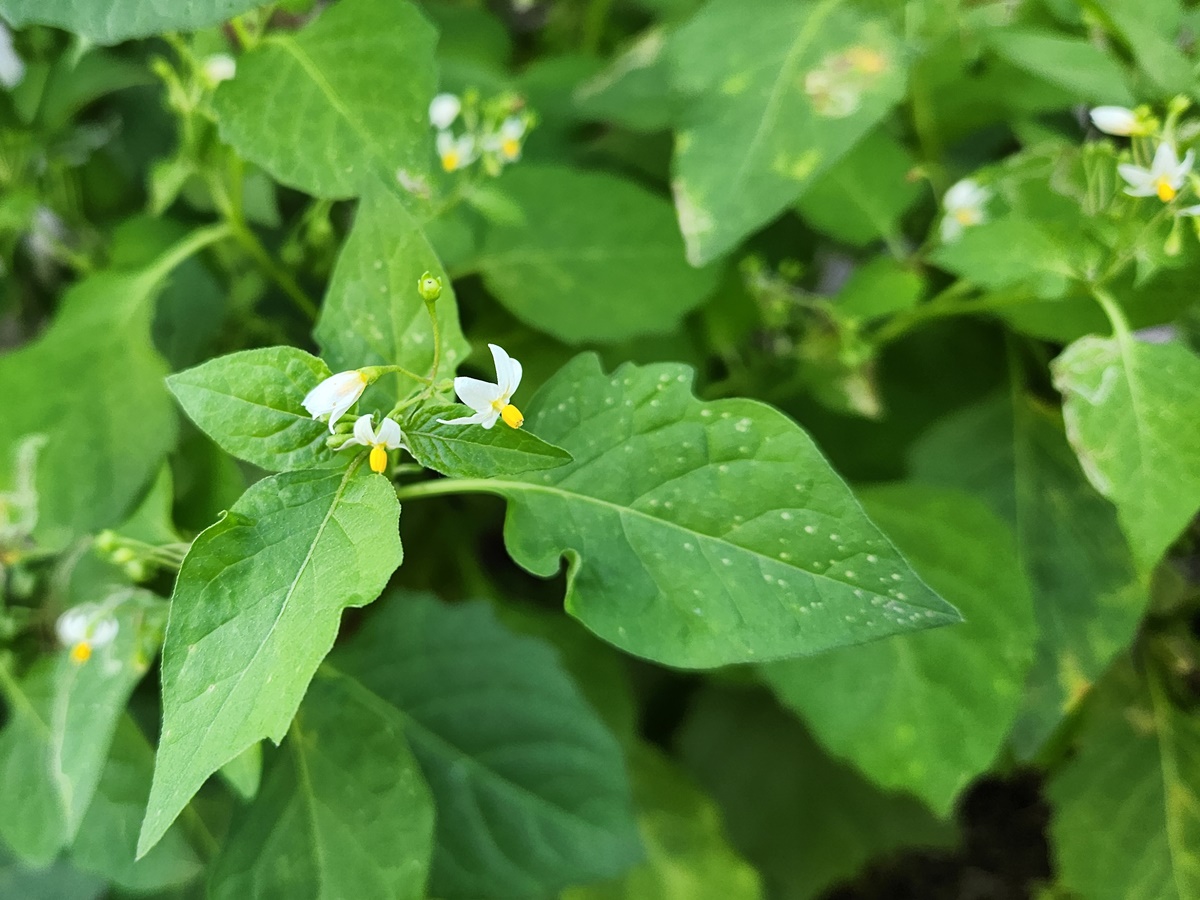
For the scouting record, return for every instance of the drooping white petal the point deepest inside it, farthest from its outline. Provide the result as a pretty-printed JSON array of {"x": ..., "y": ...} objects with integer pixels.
[
  {"x": 490, "y": 418},
  {"x": 1185, "y": 166},
  {"x": 503, "y": 363},
  {"x": 1115, "y": 120},
  {"x": 445, "y": 143},
  {"x": 465, "y": 146},
  {"x": 952, "y": 229},
  {"x": 220, "y": 67},
  {"x": 364, "y": 431},
  {"x": 514, "y": 376},
  {"x": 1189, "y": 211},
  {"x": 512, "y": 128},
  {"x": 965, "y": 194},
  {"x": 389, "y": 434},
  {"x": 1165, "y": 161},
  {"x": 12, "y": 68},
  {"x": 104, "y": 631},
  {"x": 479, "y": 395},
  {"x": 443, "y": 110},
  {"x": 335, "y": 395},
  {"x": 1140, "y": 181},
  {"x": 476, "y": 419},
  {"x": 72, "y": 626}
]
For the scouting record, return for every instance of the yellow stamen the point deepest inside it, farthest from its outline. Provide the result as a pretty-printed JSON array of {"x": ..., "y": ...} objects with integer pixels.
[
  {"x": 510, "y": 147},
  {"x": 966, "y": 216},
  {"x": 1166, "y": 191},
  {"x": 866, "y": 60},
  {"x": 379, "y": 459},
  {"x": 450, "y": 160},
  {"x": 81, "y": 653},
  {"x": 512, "y": 416}
]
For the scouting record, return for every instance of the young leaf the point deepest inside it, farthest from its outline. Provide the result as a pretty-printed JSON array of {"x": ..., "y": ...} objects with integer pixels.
[
  {"x": 689, "y": 857},
  {"x": 702, "y": 534},
  {"x": 339, "y": 103},
  {"x": 774, "y": 98},
  {"x": 615, "y": 273},
  {"x": 115, "y": 21},
  {"x": 255, "y": 610},
  {"x": 1086, "y": 593},
  {"x": 1131, "y": 413},
  {"x": 107, "y": 838},
  {"x": 1127, "y": 804},
  {"x": 372, "y": 314},
  {"x": 468, "y": 451},
  {"x": 530, "y": 787},
  {"x": 62, "y": 718},
  {"x": 931, "y": 709},
  {"x": 249, "y": 403},
  {"x": 343, "y": 813}
]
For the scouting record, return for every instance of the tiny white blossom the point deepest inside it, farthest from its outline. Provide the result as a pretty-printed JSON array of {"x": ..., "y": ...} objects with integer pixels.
[
  {"x": 85, "y": 627},
  {"x": 455, "y": 153},
  {"x": 964, "y": 204},
  {"x": 219, "y": 67},
  {"x": 1164, "y": 178},
  {"x": 12, "y": 67},
  {"x": 387, "y": 436},
  {"x": 506, "y": 141},
  {"x": 335, "y": 395},
  {"x": 491, "y": 401},
  {"x": 443, "y": 110},
  {"x": 1116, "y": 120},
  {"x": 1189, "y": 211}
]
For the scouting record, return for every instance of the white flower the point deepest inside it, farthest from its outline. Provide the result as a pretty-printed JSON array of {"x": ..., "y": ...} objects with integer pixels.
[
  {"x": 85, "y": 627},
  {"x": 490, "y": 401},
  {"x": 336, "y": 394},
  {"x": 1116, "y": 120},
  {"x": 964, "y": 205},
  {"x": 455, "y": 153},
  {"x": 219, "y": 67},
  {"x": 1164, "y": 178},
  {"x": 506, "y": 142},
  {"x": 12, "y": 68},
  {"x": 443, "y": 110},
  {"x": 387, "y": 436}
]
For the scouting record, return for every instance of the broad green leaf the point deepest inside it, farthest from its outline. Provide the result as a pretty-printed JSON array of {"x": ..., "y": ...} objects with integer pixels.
[
  {"x": 1086, "y": 593},
  {"x": 701, "y": 534},
  {"x": 249, "y": 403},
  {"x": 344, "y": 812},
  {"x": 53, "y": 882},
  {"x": 255, "y": 609},
  {"x": 614, "y": 273},
  {"x": 1152, "y": 30},
  {"x": 1131, "y": 411},
  {"x": 633, "y": 90},
  {"x": 92, "y": 385},
  {"x": 114, "y": 21},
  {"x": 107, "y": 838},
  {"x": 340, "y": 103},
  {"x": 879, "y": 288},
  {"x": 863, "y": 196},
  {"x": 773, "y": 99},
  {"x": 62, "y": 719},
  {"x": 931, "y": 710},
  {"x": 689, "y": 857},
  {"x": 372, "y": 314},
  {"x": 469, "y": 451},
  {"x": 802, "y": 819},
  {"x": 1127, "y": 804},
  {"x": 1033, "y": 257},
  {"x": 243, "y": 773},
  {"x": 530, "y": 787},
  {"x": 1076, "y": 64}
]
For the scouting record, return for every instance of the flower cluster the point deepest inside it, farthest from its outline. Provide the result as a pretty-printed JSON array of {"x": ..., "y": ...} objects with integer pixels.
[
  {"x": 1167, "y": 175},
  {"x": 468, "y": 131}
]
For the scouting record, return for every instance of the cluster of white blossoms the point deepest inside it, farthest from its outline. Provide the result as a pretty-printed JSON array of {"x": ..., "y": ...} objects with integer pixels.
[
  {"x": 1166, "y": 175},
  {"x": 491, "y": 401},
  {"x": 498, "y": 141}
]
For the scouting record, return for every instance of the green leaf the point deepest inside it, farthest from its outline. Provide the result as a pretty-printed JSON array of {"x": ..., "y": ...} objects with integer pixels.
[
  {"x": 118, "y": 20},
  {"x": 1131, "y": 413},
  {"x": 92, "y": 384},
  {"x": 530, "y": 787},
  {"x": 802, "y": 819},
  {"x": 879, "y": 288},
  {"x": 615, "y": 273},
  {"x": 1126, "y": 805},
  {"x": 62, "y": 719},
  {"x": 689, "y": 856},
  {"x": 863, "y": 196},
  {"x": 255, "y": 610},
  {"x": 1076, "y": 64},
  {"x": 249, "y": 403},
  {"x": 243, "y": 773},
  {"x": 469, "y": 451},
  {"x": 338, "y": 104},
  {"x": 344, "y": 811},
  {"x": 1032, "y": 257},
  {"x": 931, "y": 710},
  {"x": 1086, "y": 592},
  {"x": 774, "y": 99},
  {"x": 701, "y": 534},
  {"x": 630, "y": 91},
  {"x": 54, "y": 882},
  {"x": 107, "y": 838},
  {"x": 372, "y": 314}
]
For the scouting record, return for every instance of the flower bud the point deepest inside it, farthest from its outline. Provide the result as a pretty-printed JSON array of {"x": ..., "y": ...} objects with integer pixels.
[
  {"x": 123, "y": 555},
  {"x": 106, "y": 541},
  {"x": 136, "y": 570},
  {"x": 429, "y": 287}
]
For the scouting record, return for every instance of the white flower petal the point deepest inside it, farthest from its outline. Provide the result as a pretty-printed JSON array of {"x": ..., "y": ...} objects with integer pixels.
[
  {"x": 1165, "y": 161},
  {"x": 389, "y": 434},
  {"x": 952, "y": 229},
  {"x": 1140, "y": 181},
  {"x": 445, "y": 143},
  {"x": 443, "y": 110},
  {"x": 364, "y": 431},
  {"x": 220, "y": 67},
  {"x": 966, "y": 194},
  {"x": 1185, "y": 166},
  {"x": 503, "y": 363},
  {"x": 335, "y": 395},
  {"x": 515, "y": 371},
  {"x": 1115, "y": 120},
  {"x": 72, "y": 626},
  {"x": 1189, "y": 211},
  {"x": 512, "y": 128},
  {"x": 479, "y": 395},
  {"x": 104, "y": 631},
  {"x": 467, "y": 420},
  {"x": 490, "y": 418},
  {"x": 12, "y": 68}
]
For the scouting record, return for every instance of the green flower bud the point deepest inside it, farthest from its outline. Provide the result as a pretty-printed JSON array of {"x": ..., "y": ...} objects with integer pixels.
[
  {"x": 137, "y": 570},
  {"x": 429, "y": 287},
  {"x": 106, "y": 541},
  {"x": 123, "y": 555}
]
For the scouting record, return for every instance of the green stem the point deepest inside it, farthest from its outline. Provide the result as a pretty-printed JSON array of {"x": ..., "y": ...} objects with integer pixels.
[
  {"x": 256, "y": 251},
  {"x": 441, "y": 487},
  {"x": 1116, "y": 316},
  {"x": 947, "y": 303},
  {"x": 374, "y": 372},
  {"x": 595, "y": 19},
  {"x": 437, "y": 345},
  {"x": 192, "y": 244}
]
